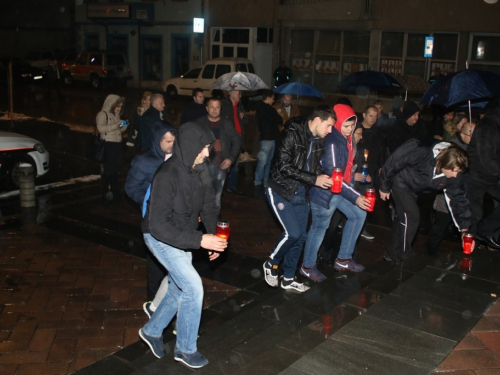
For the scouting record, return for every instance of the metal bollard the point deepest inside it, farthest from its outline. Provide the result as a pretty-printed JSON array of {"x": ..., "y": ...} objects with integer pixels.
[{"x": 27, "y": 185}]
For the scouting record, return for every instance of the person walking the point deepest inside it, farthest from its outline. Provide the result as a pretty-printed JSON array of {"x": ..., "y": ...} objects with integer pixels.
[
  {"x": 181, "y": 194},
  {"x": 294, "y": 170},
  {"x": 411, "y": 169},
  {"x": 111, "y": 127},
  {"x": 133, "y": 129}
]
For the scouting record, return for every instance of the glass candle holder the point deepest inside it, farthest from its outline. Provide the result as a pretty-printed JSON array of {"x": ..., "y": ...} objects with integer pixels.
[
  {"x": 370, "y": 195},
  {"x": 222, "y": 230},
  {"x": 467, "y": 240},
  {"x": 337, "y": 177}
]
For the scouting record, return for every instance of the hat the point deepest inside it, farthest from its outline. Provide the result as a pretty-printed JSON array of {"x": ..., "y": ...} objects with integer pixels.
[{"x": 409, "y": 110}]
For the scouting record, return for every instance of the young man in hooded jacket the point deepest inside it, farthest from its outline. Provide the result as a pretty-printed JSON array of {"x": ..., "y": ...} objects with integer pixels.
[
  {"x": 181, "y": 193},
  {"x": 139, "y": 178},
  {"x": 339, "y": 153}
]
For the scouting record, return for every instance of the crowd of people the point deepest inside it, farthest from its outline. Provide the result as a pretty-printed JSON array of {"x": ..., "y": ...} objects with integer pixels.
[{"x": 178, "y": 176}]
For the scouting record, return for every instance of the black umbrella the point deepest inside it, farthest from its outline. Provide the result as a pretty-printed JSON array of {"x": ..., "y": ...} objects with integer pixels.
[{"x": 370, "y": 80}]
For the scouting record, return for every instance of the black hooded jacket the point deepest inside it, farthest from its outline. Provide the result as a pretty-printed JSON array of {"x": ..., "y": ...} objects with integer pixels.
[
  {"x": 412, "y": 166},
  {"x": 180, "y": 193},
  {"x": 400, "y": 131},
  {"x": 484, "y": 148}
]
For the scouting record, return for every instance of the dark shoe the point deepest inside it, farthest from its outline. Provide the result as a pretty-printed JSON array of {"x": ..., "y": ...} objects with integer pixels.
[
  {"x": 312, "y": 273},
  {"x": 490, "y": 241},
  {"x": 367, "y": 235},
  {"x": 154, "y": 343},
  {"x": 271, "y": 274},
  {"x": 387, "y": 257},
  {"x": 194, "y": 360},
  {"x": 347, "y": 266},
  {"x": 147, "y": 309},
  {"x": 237, "y": 192}
]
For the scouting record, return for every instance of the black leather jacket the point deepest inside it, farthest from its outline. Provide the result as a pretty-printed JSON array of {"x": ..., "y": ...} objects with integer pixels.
[{"x": 288, "y": 168}]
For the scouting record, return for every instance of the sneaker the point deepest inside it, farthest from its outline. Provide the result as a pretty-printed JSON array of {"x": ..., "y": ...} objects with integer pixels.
[
  {"x": 387, "y": 257},
  {"x": 347, "y": 266},
  {"x": 271, "y": 274},
  {"x": 194, "y": 360},
  {"x": 312, "y": 273},
  {"x": 147, "y": 309},
  {"x": 294, "y": 284},
  {"x": 367, "y": 235},
  {"x": 154, "y": 343}
]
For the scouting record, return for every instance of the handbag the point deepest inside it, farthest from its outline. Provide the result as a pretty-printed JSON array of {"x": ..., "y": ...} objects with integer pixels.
[{"x": 97, "y": 149}]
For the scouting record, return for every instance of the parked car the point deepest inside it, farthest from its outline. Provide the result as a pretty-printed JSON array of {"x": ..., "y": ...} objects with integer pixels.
[
  {"x": 204, "y": 76},
  {"x": 22, "y": 71},
  {"x": 16, "y": 149},
  {"x": 98, "y": 68},
  {"x": 66, "y": 58},
  {"x": 39, "y": 59}
]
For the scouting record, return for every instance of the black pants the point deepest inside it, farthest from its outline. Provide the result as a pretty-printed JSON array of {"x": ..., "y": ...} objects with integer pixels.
[
  {"x": 405, "y": 223},
  {"x": 56, "y": 86},
  {"x": 111, "y": 167},
  {"x": 476, "y": 190},
  {"x": 441, "y": 223}
]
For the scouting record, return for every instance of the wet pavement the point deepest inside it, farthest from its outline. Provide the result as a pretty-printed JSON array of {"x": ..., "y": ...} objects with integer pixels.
[{"x": 73, "y": 284}]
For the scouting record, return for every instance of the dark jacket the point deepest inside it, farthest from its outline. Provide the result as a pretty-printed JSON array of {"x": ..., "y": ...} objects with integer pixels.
[
  {"x": 484, "y": 148},
  {"x": 227, "y": 112},
  {"x": 268, "y": 121},
  {"x": 335, "y": 156},
  {"x": 374, "y": 141},
  {"x": 412, "y": 166},
  {"x": 180, "y": 193},
  {"x": 229, "y": 138},
  {"x": 146, "y": 123},
  {"x": 193, "y": 112},
  {"x": 143, "y": 167},
  {"x": 401, "y": 132},
  {"x": 289, "y": 162}
]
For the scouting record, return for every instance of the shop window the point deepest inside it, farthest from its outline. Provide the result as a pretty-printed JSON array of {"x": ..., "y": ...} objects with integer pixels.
[
  {"x": 356, "y": 43},
  {"x": 445, "y": 46},
  {"x": 151, "y": 57},
  {"x": 215, "y": 51},
  {"x": 416, "y": 43},
  {"x": 485, "y": 48},
  {"x": 238, "y": 36},
  {"x": 392, "y": 44}
]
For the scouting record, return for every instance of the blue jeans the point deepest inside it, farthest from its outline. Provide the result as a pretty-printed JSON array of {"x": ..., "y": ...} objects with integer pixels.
[
  {"x": 264, "y": 157},
  {"x": 184, "y": 296},
  {"x": 321, "y": 217},
  {"x": 293, "y": 217},
  {"x": 232, "y": 176},
  {"x": 218, "y": 178}
]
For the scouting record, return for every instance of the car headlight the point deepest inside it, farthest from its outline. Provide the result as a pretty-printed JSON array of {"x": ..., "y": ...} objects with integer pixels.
[
  {"x": 39, "y": 147},
  {"x": 26, "y": 75}
]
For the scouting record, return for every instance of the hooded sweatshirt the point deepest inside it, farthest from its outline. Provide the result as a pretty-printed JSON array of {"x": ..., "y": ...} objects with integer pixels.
[
  {"x": 144, "y": 166},
  {"x": 346, "y": 113},
  {"x": 107, "y": 122},
  {"x": 180, "y": 193},
  {"x": 400, "y": 132},
  {"x": 337, "y": 154}
]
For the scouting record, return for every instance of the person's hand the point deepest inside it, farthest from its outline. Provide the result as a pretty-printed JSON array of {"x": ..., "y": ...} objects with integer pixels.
[
  {"x": 384, "y": 196},
  {"x": 359, "y": 176},
  {"x": 212, "y": 255},
  {"x": 226, "y": 163},
  {"x": 212, "y": 242},
  {"x": 363, "y": 203},
  {"x": 242, "y": 115},
  {"x": 324, "y": 181}
]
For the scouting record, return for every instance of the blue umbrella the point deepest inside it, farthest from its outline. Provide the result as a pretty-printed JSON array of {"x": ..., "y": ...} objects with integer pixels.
[
  {"x": 298, "y": 88},
  {"x": 462, "y": 87},
  {"x": 370, "y": 80}
]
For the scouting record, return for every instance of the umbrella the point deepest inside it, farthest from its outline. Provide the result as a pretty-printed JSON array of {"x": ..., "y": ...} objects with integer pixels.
[
  {"x": 370, "y": 80},
  {"x": 462, "y": 87},
  {"x": 298, "y": 88},
  {"x": 239, "y": 81}
]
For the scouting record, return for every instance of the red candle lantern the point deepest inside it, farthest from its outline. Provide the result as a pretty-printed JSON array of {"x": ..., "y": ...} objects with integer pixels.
[
  {"x": 222, "y": 230},
  {"x": 337, "y": 180},
  {"x": 370, "y": 195},
  {"x": 467, "y": 240}
]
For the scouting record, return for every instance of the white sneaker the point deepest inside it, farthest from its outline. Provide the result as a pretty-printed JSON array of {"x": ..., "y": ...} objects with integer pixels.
[{"x": 295, "y": 285}]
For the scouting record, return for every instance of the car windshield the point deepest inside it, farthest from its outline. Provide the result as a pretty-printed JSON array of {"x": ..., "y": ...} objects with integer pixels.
[
  {"x": 241, "y": 67},
  {"x": 192, "y": 73}
]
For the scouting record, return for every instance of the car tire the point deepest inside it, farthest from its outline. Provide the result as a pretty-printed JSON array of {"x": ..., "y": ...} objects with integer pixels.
[
  {"x": 68, "y": 79},
  {"x": 10, "y": 172},
  {"x": 171, "y": 92},
  {"x": 95, "y": 82}
]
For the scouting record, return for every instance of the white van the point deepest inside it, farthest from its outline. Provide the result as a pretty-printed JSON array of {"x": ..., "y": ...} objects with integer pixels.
[{"x": 204, "y": 76}]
